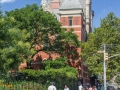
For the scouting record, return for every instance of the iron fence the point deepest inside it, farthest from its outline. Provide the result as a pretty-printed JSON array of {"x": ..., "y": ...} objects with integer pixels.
[{"x": 23, "y": 82}]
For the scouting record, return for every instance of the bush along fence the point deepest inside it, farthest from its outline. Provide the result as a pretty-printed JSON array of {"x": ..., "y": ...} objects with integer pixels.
[
  {"x": 20, "y": 86},
  {"x": 23, "y": 81},
  {"x": 18, "y": 82},
  {"x": 61, "y": 77}
]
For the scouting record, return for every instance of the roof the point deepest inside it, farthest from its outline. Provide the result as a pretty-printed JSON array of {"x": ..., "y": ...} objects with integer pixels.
[
  {"x": 61, "y": 1},
  {"x": 71, "y": 4},
  {"x": 83, "y": 3}
]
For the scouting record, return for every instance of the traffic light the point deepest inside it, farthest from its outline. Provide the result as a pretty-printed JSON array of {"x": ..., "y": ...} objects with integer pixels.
[{"x": 106, "y": 56}]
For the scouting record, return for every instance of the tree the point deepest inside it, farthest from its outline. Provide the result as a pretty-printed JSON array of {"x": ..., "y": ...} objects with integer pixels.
[
  {"x": 29, "y": 27},
  {"x": 45, "y": 31},
  {"x": 13, "y": 45},
  {"x": 0, "y": 12},
  {"x": 108, "y": 33},
  {"x": 117, "y": 79}
]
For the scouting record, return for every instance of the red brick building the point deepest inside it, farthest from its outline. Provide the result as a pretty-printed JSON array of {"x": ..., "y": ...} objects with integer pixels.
[{"x": 76, "y": 14}]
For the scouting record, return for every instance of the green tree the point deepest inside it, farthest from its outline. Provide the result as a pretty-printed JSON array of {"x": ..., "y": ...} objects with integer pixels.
[
  {"x": 0, "y": 12},
  {"x": 21, "y": 30},
  {"x": 45, "y": 31},
  {"x": 13, "y": 45},
  {"x": 107, "y": 33},
  {"x": 117, "y": 79}
]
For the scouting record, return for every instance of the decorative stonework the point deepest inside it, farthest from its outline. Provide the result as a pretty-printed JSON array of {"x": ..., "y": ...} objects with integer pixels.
[
  {"x": 44, "y": 3},
  {"x": 45, "y": 6}
]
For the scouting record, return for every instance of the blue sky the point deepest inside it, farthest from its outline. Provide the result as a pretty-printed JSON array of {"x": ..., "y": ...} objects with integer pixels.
[
  {"x": 100, "y": 7},
  {"x": 104, "y": 7}
]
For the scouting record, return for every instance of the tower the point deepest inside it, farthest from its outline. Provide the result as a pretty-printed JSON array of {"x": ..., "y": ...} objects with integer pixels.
[
  {"x": 45, "y": 6},
  {"x": 89, "y": 16}
]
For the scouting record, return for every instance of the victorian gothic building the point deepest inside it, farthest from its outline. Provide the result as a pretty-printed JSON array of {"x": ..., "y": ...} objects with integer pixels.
[
  {"x": 71, "y": 13},
  {"x": 76, "y": 14}
]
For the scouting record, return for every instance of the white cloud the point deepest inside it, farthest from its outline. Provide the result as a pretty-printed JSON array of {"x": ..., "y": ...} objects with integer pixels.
[{"x": 6, "y": 1}]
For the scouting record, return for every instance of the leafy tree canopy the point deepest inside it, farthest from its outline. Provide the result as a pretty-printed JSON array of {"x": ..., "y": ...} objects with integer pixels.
[
  {"x": 13, "y": 45},
  {"x": 107, "y": 33},
  {"x": 0, "y": 12},
  {"x": 26, "y": 31},
  {"x": 117, "y": 79},
  {"x": 45, "y": 31}
]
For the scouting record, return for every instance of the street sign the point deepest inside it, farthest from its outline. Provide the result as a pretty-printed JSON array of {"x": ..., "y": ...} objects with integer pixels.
[
  {"x": 100, "y": 51},
  {"x": 100, "y": 76}
]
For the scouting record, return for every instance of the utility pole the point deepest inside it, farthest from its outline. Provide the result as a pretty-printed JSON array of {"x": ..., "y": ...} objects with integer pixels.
[
  {"x": 106, "y": 57},
  {"x": 104, "y": 64}
]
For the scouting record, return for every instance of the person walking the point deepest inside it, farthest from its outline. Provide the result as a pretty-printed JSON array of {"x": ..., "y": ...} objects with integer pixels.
[
  {"x": 80, "y": 87},
  {"x": 52, "y": 87},
  {"x": 98, "y": 86},
  {"x": 66, "y": 87},
  {"x": 94, "y": 88},
  {"x": 90, "y": 88}
]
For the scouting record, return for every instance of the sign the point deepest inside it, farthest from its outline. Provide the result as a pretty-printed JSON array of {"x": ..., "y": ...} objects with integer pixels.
[{"x": 100, "y": 76}]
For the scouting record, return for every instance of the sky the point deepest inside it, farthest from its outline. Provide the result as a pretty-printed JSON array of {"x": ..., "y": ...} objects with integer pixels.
[{"x": 100, "y": 7}]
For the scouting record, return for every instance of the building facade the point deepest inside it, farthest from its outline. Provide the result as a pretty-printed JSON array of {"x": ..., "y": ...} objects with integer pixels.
[{"x": 76, "y": 14}]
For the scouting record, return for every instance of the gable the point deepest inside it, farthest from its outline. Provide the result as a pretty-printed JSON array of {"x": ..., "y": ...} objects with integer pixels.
[{"x": 71, "y": 4}]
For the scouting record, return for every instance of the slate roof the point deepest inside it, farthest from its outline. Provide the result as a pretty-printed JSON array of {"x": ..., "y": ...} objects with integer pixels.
[
  {"x": 71, "y": 4},
  {"x": 61, "y": 1},
  {"x": 83, "y": 3}
]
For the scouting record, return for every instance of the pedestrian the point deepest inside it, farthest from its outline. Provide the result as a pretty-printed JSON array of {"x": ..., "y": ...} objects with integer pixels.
[
  {"x": 80, "y": 87},
  {"x": 94, "y": 88},
  {"x": 52, "y": 87},
  {"x": 66, "y": 87},
  {"x": 90, "y": 88},
  {"x": 98, "y": 86},
  {"x": 85, "y": 88}
]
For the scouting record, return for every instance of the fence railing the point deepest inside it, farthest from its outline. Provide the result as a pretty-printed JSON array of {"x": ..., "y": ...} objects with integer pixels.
[{"x": 17, "y": 82}]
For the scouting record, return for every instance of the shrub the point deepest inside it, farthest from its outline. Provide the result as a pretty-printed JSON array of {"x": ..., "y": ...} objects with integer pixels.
[
  {"x": 54, "y": 71},
  {"x": 117, "y": 79}
]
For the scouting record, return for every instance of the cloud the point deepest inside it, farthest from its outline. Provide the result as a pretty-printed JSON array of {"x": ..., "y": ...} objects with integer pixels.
[
  {"x": 6, "y": 1},
  {"x": 106, "y": 9}
]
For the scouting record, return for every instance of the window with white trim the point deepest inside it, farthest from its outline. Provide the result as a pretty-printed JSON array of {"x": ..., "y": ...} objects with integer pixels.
[{"x": 70, "y": 21}]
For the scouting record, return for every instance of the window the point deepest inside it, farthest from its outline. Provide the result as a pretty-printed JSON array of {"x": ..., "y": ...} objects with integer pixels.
[{"x": 70, "y": 21}]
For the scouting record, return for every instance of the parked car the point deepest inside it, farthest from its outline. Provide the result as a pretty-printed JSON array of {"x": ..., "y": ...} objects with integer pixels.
[{"x": 110, "y": 88}]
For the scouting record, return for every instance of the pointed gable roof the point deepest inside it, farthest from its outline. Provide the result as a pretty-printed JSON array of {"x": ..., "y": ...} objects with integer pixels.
[{"x": 71, "y": 4}]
